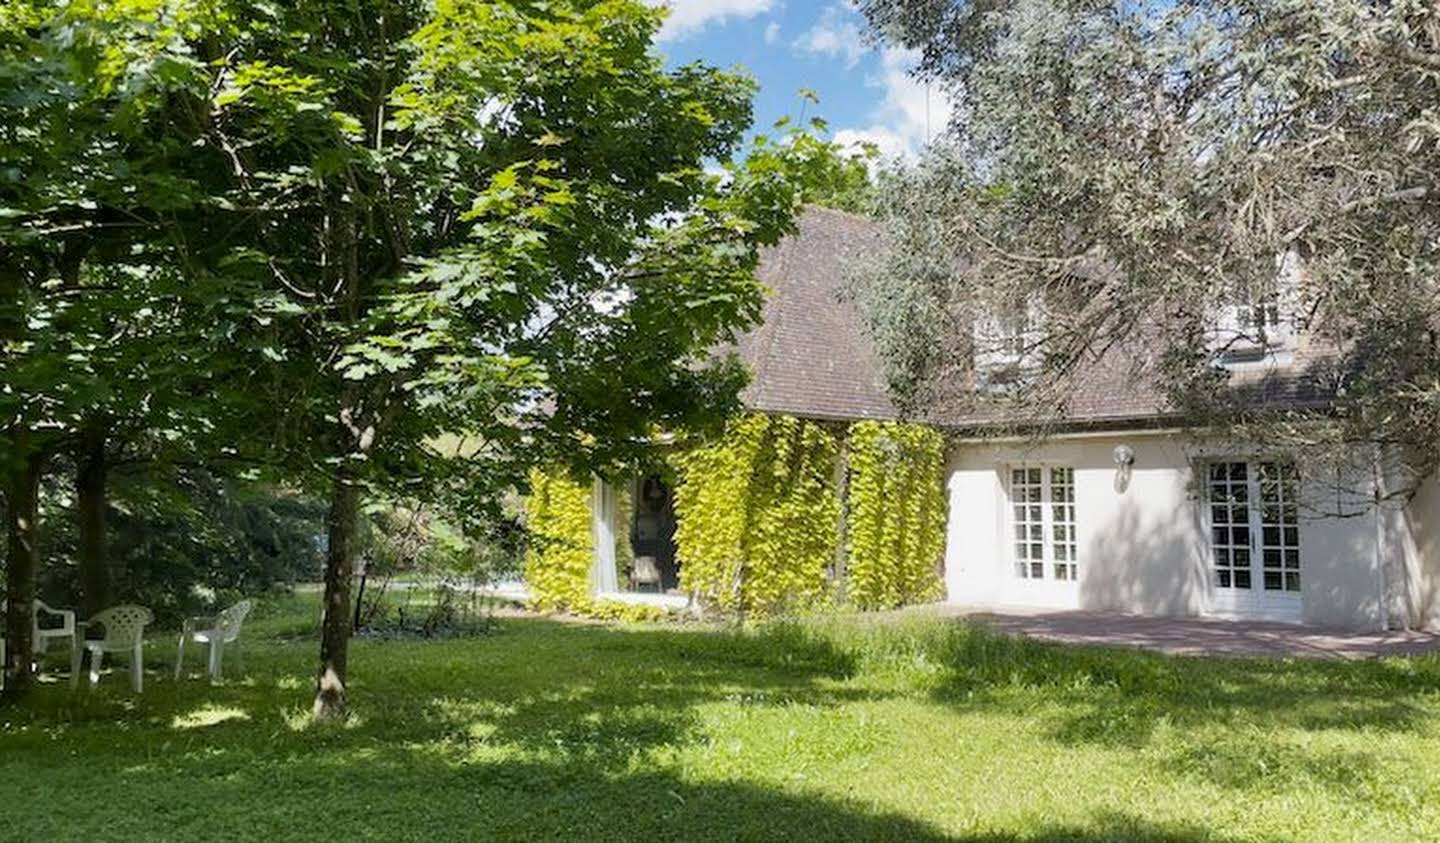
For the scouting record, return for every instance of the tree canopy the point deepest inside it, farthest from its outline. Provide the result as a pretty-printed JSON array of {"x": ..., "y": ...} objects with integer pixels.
[
  {"x": 373, "y": 228},
  {"x": 1126, "y": 169}
]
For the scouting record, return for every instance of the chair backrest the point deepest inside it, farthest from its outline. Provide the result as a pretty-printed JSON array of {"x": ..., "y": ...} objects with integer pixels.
[
  {"x": 647, "y": 570},
  {"x": 228, "y": 622},
  {"x": 123, "y": 625}
]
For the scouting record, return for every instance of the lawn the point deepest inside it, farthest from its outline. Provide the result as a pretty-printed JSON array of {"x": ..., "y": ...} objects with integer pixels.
[{"x": 908, "y": 729}]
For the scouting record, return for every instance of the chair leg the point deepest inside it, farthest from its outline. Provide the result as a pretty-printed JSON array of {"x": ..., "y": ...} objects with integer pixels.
[
  {"x": 137, "y": 667},
  {"x": 239, "y": 657},
  {"x": 75, "y": 656},
  {"x": 179, "y": 656},
  {"x": 96, "y": 657},
  {"x": 217, "y": 649}
]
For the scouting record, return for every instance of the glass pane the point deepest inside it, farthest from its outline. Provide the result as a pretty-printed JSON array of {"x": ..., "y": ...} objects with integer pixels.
[
  {"x": 1292, "y": 582},
  {"x": 1272, "y": 580}
]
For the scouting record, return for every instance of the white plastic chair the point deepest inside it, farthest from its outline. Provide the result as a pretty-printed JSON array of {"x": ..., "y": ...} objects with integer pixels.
[
  {"x": 43, "y": 635},
  {"x": 124, "y": 628},
  {"x": 218, "y": 631}
]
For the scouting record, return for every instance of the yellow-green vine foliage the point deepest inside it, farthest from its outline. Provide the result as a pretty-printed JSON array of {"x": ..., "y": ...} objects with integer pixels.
[
  {"x": 624, "y": 514},
  {"x": 562, "y": 544},
  {"x": 757, "y": 513},
  {"x": 896, "y": 515}
]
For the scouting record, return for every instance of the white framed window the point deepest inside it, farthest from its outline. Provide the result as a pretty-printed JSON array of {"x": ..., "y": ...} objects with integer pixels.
[
  {"x": 1254, "y": 519},
  {"x": 1257, "y": 326},
  {"x": 1042, "y": 522},
  {"x": 1007, "y": 348}
]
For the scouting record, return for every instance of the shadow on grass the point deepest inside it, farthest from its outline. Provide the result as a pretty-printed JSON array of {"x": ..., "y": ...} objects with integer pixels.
[
  {"x": 549, "y": 730},
  {"x": 394, "y": 795}
]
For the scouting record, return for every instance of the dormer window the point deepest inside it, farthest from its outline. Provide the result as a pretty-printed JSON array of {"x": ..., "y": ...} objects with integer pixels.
[
  {"x": 1260, "y": 326},
  {"x": 1007, "y": 349}
]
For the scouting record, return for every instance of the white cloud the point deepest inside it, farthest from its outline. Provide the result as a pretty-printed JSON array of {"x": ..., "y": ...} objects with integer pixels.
[
  {"x": 835, "y": 34},
  {"x": 889, "y": 143},
  {"x": 909, "y": 113},
  {"x": 772, "y": 32},
  {"x": 688, "y": 17}
]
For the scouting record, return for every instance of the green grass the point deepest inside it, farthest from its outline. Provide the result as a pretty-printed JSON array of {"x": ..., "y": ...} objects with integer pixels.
[{"x": 842, "y": 728}]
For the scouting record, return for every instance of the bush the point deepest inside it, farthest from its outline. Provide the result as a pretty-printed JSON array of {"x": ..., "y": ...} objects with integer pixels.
[
  {"x": 186, "y": 542},
  {"x": 417, "y": 541}
]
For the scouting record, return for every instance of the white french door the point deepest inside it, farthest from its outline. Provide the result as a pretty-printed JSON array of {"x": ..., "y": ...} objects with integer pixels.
[
  {"x": 1042, "y": 526},
  {"x": 1254, "y": 524}
]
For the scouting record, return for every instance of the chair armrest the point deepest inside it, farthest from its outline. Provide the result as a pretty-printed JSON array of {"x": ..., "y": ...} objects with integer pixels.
[
  {"x": 67, "y": 617},
  {"x": 199, "y": 622}
]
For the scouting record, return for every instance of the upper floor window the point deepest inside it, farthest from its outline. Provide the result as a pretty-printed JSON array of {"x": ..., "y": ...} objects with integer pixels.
[
  {"x": 1260, "y": 325},
  {"x": 1007, "y": 349}
]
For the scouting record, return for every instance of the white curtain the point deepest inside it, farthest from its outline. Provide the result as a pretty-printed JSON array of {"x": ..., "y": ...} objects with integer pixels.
[{"x": 604, "y": 578}]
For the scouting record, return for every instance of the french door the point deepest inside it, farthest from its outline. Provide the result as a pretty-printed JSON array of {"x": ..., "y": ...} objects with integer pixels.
[
  {"x": 1042, "y": 501},
  {"x": 1255, "y": 538}
]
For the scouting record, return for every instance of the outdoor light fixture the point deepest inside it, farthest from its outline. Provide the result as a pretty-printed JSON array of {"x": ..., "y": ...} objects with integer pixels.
[{"x": 1124, "y": 460}]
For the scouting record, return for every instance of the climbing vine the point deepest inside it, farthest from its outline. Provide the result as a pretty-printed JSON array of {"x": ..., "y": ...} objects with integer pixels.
[
  {"x": 624, "y": 514},
  {"x": 757, "y": 514},
  {"x": 896, "y": 527},
  {"x": 562, "y": 545}
]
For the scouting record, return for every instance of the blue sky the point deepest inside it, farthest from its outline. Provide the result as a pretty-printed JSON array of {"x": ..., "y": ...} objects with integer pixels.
[{"x": 787, "y": 45}]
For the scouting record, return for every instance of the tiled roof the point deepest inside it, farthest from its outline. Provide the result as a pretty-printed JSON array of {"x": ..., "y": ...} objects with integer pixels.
[{"x": 811, "y": 356}]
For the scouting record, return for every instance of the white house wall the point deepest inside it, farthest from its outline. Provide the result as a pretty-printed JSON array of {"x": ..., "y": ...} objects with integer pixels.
[
  {"x": 1423, "y": 517},
  {"x": 1146, "y": 549}
]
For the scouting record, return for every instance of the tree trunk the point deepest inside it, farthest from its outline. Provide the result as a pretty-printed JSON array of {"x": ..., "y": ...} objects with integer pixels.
[
  {"x": 343, "y": 522},
  {"x": 22, "y": 511},
  {"x": 91, "y": 472},
  {"x": 343, "y": 527}
]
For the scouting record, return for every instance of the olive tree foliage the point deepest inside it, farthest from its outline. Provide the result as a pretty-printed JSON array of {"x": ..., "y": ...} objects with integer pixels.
[{"x": 1121, "y": 171}]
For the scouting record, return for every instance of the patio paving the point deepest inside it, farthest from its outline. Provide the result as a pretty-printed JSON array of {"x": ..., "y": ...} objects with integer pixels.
[{"x": 1202, "y": 636}]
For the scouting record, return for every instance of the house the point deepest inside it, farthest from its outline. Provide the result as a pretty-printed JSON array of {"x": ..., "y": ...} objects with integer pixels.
[{"x": 1119, "y": 507}]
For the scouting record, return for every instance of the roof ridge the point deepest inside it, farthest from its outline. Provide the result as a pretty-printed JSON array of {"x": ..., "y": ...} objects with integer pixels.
[{"x": 811, "y": 206}]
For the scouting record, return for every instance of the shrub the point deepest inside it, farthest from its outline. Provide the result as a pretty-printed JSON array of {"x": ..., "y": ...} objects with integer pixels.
[{"x": 185, "y": 542}]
